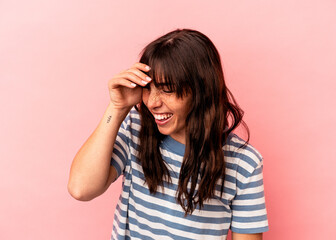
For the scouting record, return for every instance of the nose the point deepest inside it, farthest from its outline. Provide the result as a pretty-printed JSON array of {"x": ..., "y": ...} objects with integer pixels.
[{"x": 154, "y": 98}]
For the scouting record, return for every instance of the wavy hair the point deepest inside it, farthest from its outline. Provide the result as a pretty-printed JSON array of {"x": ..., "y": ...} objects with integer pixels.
[{"x": 190, "y": 64}]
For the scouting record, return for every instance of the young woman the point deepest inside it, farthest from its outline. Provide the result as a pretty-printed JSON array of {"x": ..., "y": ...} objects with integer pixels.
[{"x": 167, "y": 131}]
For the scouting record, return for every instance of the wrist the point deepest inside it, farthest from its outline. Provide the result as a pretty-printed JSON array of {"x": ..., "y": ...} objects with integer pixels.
[{"x": 118, "y": 111}]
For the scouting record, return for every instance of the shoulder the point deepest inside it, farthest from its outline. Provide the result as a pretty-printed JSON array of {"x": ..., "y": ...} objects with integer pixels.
[
  {"x": 132, "y": 119},
  {"x": 134, "y": 113},
  {"x": 247, "y": 159},
  {"x": 130, "y": 127}
]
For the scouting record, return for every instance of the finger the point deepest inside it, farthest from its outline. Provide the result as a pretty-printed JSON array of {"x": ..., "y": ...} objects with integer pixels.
[
  {"x": 121, "y": 82},
  {"x": 140, "y": 74},
  {"x": 141, "y": 66},
  {"x": 129, "y": 75}
]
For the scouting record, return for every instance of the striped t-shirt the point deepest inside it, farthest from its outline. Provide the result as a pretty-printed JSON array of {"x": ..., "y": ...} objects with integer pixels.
[{"x": 141, "y": 215}]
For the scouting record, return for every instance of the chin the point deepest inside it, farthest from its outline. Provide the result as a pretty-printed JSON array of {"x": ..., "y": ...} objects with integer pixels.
[{"x": 164, "y": 132}]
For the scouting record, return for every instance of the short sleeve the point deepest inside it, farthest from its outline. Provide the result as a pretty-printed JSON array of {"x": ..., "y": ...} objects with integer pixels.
[
  {"x": 121, "y": 146},
  {"x": 249, "y": 213}
]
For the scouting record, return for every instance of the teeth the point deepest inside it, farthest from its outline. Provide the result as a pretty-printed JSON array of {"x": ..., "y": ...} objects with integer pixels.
[{"x": 162, "y": 116}]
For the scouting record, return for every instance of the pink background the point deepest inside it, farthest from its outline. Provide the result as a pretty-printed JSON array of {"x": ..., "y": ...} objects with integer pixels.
[{"x": 56, "y": 58}]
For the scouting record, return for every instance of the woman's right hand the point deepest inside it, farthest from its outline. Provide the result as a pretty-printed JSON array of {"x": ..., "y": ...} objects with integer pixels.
[{"x": 125, "y": 88}]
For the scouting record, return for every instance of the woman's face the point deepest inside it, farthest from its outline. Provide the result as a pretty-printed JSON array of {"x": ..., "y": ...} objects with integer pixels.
[{"x": 169, "y": 111}]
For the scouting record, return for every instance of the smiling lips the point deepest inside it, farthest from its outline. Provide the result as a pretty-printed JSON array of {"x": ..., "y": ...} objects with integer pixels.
[
  {"x": 162, "y": 119},
  {"x": 162, "y": 116}
]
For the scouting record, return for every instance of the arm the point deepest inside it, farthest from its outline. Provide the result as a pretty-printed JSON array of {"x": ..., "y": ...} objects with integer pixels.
[
  {"x": 91, "y": 173},
  {"x": 239, "y": 236}
]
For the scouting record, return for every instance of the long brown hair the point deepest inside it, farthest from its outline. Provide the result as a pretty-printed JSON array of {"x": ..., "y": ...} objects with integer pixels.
[{"x": 190, "y": 64}]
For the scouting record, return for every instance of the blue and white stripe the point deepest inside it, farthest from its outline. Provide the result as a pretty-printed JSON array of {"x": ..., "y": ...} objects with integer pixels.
[{"x": 141, "y": 215}]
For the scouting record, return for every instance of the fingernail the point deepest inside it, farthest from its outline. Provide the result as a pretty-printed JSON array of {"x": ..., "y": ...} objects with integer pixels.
[
  {"x": 133, "y": 84},
  {"x": 144, "y": 82},
  {"x": 148, "y": 67},
  {"x": 148, "y": 79}
]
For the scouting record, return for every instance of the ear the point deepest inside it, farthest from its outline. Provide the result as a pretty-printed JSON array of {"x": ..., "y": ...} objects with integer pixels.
[{"x": 137, "y": 107}]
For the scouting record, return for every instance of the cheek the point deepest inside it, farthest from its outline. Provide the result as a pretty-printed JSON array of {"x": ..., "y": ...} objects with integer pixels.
[
  {"x": 171, "y": 100},
  {"x": 184, "y": 108}
]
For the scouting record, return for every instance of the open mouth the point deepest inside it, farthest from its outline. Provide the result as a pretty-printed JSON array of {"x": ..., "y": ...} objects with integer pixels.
[{"x": 162, "y": 119}]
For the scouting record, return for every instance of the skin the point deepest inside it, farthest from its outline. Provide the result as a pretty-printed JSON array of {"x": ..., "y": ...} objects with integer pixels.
[
  {"x": 239, "y": 236},
  {"x": 91, "y": 173}
]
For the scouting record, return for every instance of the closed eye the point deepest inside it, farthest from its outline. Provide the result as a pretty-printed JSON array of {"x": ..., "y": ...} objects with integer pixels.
[
  {"x": 166, "y": 89},
  {"x": 162, "y": 88}
]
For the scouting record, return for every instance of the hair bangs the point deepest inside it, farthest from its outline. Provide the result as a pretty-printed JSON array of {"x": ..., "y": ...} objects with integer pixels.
[{"x": 167, "y": 70}]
